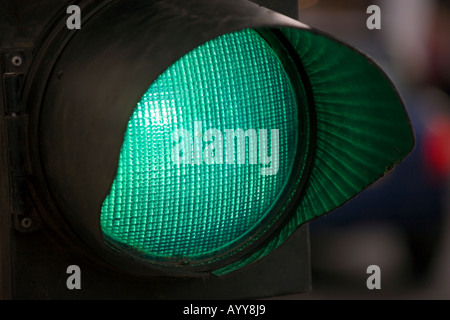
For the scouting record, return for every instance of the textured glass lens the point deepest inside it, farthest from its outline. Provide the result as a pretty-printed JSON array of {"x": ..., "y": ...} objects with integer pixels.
[{"x": 207, "y": 153}]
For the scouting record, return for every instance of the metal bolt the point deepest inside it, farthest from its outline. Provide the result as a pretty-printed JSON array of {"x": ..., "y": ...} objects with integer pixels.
[
  {"x": 16, "y": 61},
  {"x": 26, "y": 222}
]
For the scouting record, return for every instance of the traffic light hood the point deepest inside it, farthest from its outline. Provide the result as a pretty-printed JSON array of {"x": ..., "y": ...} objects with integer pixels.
[{"x": 352, "y": 125}]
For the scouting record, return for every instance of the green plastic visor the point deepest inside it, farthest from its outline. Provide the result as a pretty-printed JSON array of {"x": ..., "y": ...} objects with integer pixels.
[{"x": 362, "y": 128}]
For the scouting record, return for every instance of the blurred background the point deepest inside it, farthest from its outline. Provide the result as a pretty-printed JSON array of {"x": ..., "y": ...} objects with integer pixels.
[{"x": 402, "y": 222}]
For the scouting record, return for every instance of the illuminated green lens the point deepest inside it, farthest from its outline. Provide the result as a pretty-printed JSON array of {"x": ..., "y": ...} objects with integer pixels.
[{"x": 185, "y": 189}]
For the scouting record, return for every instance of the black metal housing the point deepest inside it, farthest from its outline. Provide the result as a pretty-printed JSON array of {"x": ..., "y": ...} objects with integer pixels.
[
  {"x": 81, "y": 99},
  {"x": 59, "y": 67}
]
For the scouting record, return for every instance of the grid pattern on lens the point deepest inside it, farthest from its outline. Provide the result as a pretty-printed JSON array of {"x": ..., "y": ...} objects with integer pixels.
[{"x": 163, "y": 209}]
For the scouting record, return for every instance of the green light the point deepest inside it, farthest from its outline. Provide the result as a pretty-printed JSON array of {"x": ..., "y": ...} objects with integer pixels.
[{"x": 168, "y": 202}]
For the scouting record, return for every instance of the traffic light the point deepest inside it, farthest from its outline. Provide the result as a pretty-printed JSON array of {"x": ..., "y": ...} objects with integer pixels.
[{"x": 176, "y": 148}]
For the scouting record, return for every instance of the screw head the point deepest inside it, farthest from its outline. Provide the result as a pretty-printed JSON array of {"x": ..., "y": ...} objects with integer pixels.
[
  {"x": 17, "y": 61},
  {"x": 26, "y": 223}
]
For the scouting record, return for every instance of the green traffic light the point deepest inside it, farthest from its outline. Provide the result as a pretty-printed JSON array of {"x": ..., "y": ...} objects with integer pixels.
[
  {"x": 320, "y": 122},
  {"x": 208, "y": 151}
]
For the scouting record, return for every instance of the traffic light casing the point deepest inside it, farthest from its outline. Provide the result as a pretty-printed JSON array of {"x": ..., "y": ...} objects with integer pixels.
[{"x": 72, "y": 100}]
